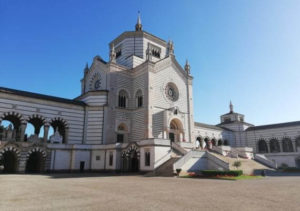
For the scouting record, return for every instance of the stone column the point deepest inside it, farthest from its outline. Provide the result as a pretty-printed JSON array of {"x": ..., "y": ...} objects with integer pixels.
[
  {"x": 46, "y": 131},
  {"x": 280, "y": 145},
  {"x": 66, "y": 135},
  {"x": 268, "y": 147},
  {"x": 181, "y": 137},
  {"x": 294, "y": 145},
  {"x": 23, "y": 128}
]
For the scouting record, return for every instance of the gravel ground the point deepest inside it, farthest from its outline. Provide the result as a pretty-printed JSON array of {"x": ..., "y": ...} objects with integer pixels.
[{"x": 104, "y": 192}]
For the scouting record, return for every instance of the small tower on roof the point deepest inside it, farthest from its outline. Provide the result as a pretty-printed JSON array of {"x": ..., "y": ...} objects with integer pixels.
[
  {"x": 231, "y": 107},
  {"x": 138, "y": 25},
  {"x": 187, "y": 67}
]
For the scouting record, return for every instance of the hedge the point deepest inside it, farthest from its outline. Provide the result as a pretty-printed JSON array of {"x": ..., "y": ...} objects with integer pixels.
[{"x": 212, "y": 173}]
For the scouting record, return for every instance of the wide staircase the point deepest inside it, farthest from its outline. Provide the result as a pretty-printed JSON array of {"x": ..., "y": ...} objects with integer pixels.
[
  {"x": 248, "y": 166},
  {"x": 164, "y": 170}
]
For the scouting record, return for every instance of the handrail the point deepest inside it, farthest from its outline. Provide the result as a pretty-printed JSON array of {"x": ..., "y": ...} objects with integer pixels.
[
  {"x": 178, "y": 148},
  {"x": 218, "y": 161},
  {"x": 264, "y": 160},
  {"x": 166, "y": 155},
  {"x": 178, "y": 164}
]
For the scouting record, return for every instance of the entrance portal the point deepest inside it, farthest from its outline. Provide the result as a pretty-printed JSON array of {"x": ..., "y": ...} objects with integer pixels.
[
  {"x": 131, "y": 159},
  {"x": 10, "y": 162},
  {"x": 35, "y": 163},
  {"x": 176, "y": 131},
  {"x": 172, "y": 137}
]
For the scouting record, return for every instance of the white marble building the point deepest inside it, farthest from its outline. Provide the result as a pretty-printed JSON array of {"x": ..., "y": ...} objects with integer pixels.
[{"x": 135, "y": 112}]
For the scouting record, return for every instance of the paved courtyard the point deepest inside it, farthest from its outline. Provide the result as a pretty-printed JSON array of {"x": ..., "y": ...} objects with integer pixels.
[{"x": 103, "y": 192}]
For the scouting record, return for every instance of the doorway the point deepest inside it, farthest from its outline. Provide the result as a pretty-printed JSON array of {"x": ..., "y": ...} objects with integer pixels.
[
  {"x": 10, "y": 162},
  {"x": 35, "y": 163},
  {"x": 172, "y": 137}
]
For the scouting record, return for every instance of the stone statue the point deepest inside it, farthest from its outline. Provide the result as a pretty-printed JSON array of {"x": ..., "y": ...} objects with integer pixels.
[
  {"x": 197, "y": 144},
  {"x": 56, "y": 137},
  {"x": 34, "y": 138},
  {"x": 112, "y": 55},
  {"x": 203, "y": 144},
  {"x": 9, "y": 132}
]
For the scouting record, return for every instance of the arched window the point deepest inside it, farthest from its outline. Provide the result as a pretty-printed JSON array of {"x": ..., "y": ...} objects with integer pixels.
[
  {"x": 59, "y": 127},
  {"x": 274, "y": 146},
  {"x": 123, "y": 98},
  {"x": 287, "y": 145},
  {"x": 262, "y": 146},
  {"x": 11, "y": 126},
  {"x": 139, "y": 99},
  {"x": 34, "y": 128}
]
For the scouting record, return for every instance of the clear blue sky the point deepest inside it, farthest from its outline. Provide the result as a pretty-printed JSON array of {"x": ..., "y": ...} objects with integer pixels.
[{"x": 246, "y": 51}]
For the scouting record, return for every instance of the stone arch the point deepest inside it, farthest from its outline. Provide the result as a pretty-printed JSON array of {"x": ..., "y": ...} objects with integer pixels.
[
  {"x": 274, "y": 145},
  {"x": 37, "y": 149},
  {"x": 176, "y": 131},
  {"x": 14, "y": 117},
  {"x": 35, "y": 160},
  {"x": 287, "y": 145},
  {"x": 17, "y": 121},
  {"x": 61, "y": 125},
  {"x": 37, "y": 121},
  {"x": 262, "y": 146},
  {"x": 9, "y": 157},
  {"x": 131, "y": 158}
]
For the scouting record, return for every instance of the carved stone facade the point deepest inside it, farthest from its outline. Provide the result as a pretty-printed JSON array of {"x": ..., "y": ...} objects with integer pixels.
[{"x": 134, "y": 111}]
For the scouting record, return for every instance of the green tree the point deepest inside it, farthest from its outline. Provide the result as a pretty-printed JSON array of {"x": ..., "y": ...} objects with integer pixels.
[{"x": 237, "y": 164}]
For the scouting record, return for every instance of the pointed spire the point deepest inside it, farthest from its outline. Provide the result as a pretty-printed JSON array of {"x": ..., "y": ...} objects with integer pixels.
[
  {"x": 112, "y": 55},
  {"x": 231, "y": 107},
  {"x": 86, "y": 69},
  {"x": 138, "y": 25},
  {"x": 170, "y": 47},
  {"x": 187, "y": 67}
]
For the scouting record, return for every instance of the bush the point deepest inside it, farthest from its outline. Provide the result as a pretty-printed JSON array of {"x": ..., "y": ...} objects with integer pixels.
[
  {"x": 213, "y": 173},
  {"x": 237, "y": 164},
  {"x": 291, "y": 169},
  {"x": 284, "y": 165}
]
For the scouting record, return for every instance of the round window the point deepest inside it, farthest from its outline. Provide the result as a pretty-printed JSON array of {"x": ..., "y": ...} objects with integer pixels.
[
  {"x": 172, "y": 92},
  {"x": 97, "y": 84}
]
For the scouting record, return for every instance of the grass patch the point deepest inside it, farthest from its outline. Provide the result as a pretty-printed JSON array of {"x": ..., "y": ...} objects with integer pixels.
[{"x": 241, "y": 177}]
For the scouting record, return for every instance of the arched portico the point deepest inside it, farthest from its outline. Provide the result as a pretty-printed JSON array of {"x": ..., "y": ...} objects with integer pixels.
[
  {"x": 15, "y": 130},
  {"x": 176, "y": 132},
  {"x": 35, "y": 161},
  {"x": 262, "y": 146},
  {"x": 131, "y": 159},
  {"x": 9, "y": 158}
]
